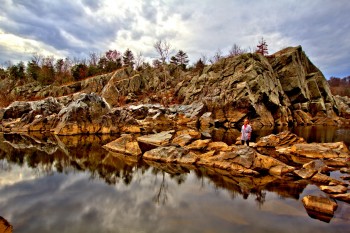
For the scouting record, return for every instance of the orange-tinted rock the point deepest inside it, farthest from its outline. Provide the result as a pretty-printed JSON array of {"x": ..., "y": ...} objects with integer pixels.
[
  {"x": 125, "y": 144},
  {"x": 321, "y": 208},
  {"x": 333, "y": 189}
]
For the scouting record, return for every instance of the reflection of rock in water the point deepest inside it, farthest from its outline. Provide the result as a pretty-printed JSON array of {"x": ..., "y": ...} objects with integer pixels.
[
  {"x": 5, "y": 226},
  {"x": 321, "y": 208},
  {"x": 249, "y": 185}
]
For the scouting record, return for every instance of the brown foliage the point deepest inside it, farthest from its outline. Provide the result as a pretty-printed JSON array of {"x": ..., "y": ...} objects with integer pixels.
[
  {"x": 340, "y": 86},
  {"x": 5, "y": 99}
]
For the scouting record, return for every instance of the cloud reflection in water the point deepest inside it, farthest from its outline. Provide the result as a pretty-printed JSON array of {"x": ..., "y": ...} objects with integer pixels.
[{"x": 91, "y": 190}]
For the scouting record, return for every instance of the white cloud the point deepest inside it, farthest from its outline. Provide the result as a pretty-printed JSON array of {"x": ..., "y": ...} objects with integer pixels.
[
  {"x": 25, "y": 48},
  {"x": 197, "y": 27}
]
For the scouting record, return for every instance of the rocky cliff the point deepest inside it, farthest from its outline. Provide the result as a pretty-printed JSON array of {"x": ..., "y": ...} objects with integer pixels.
[
  {"x": 277, "y": 90},
  {"x": 284, "y": 88}
]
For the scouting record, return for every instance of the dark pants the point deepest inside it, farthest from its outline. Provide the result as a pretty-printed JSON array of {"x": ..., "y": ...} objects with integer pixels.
[{"x": 242, "y": 141}]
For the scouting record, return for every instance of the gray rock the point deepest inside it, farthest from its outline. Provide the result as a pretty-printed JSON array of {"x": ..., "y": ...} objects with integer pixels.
[{"x": 86, "y": 115}]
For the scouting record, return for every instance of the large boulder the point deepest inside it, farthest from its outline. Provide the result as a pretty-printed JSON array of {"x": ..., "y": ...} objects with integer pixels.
[
  {"x": 171, "y": 154},
  {"x": 123, "y": 82},
  {"x": 86, "y": 115},
  {"x": 157, "y": 139},
  {"x": 126, "y": 144},
  {"x": 303, "y": 83},
  {"x": 285, "y": 138}
]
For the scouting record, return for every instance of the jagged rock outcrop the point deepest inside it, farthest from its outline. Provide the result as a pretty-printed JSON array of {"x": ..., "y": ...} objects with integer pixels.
[
  {"x": 37, "y": 90},
  {"x": 235, "y": 88},
  {"x": 303, "y": 83},
  {"x": 343, "y": 103},
  {"x": 281, "y": 89},
  {"x": 31, "y": 116},
  {"x": 86, "y": 115},
  {"x": 78, "y": 114}
]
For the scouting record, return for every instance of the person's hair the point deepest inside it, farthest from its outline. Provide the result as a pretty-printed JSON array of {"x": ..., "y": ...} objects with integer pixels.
[{"x": 246, "y": 119}]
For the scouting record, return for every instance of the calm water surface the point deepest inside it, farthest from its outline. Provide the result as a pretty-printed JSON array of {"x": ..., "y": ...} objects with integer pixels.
[{"x": 71, "y": 184}]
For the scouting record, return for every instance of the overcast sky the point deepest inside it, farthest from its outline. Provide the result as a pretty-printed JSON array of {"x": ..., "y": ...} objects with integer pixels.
[{"x": 67, "y": 28}]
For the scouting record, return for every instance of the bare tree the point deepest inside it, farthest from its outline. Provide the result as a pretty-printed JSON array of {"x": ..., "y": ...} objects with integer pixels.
[
  {"x": 236, "y": 50},
  {"x": 139, "y": 60},
  {"x": 37, "y": 59},
  {"x": 163, "y": 50},
  {"x": 93, "y": 59},
  {"x": 217, "y": 56},
  {"x": 204, "y": 59}
]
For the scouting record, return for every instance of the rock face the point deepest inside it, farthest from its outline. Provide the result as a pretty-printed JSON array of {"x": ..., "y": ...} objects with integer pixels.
[
  {"x": 122, "y": 82},
  {"x": 303, "y": 83},
  {"x": 79, "y": 114},
  {"x": 343, "y": 103},
  {"x": 86, "y": 115},
  {"x": 235, "y": 88},
  {"x": 283, "y": 88}
]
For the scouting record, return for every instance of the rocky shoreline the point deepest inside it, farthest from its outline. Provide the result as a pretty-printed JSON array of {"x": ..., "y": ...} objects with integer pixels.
[
  {"x": 284, "y": 155},
  {"x": 284, "y": 160}
]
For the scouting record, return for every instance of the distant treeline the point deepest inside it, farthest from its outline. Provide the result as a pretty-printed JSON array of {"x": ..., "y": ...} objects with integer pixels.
[
  {"x": 48, "y": 70},
  {"x": 340, "y": 86}
]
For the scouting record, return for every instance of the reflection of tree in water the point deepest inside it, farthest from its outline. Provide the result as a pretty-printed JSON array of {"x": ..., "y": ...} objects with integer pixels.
[
  {"x": 161, "y": 196},
  {"x": 4, "y": 165},
  {"x": 113, "y": 175},
  {"x": 176, "y": 172}
]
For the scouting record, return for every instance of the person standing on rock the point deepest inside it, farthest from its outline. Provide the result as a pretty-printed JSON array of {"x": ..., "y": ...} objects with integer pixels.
[{"x": 246, "y": 132}]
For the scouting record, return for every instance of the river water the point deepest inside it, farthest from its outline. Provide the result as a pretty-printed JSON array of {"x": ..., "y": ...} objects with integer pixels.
[{"x": 71, "y": 184}]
